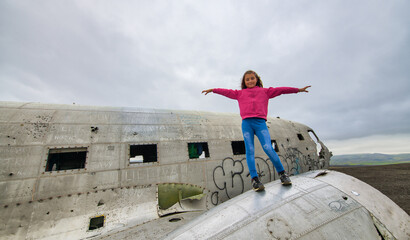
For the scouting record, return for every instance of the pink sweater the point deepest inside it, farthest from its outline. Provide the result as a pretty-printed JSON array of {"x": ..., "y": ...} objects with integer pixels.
[{"x": 253, "y": 102}]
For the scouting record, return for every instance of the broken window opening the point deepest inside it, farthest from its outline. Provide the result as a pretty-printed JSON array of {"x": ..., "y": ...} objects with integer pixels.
[
  {"x": 143, "y": 153},
  {"x": 315, "y": 139},
  {"x": 275, "y": 145},
  {"x": 198, "y": 150},
  {"x": 300, "y": 136},
  {"x": 66, "y": 159},
  {"x": 96, "y": 222},
  {"x": 238, "y": 147}
]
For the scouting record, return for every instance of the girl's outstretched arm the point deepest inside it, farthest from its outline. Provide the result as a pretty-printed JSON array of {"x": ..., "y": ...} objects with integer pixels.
[
  {"x": 208, "y": 91},
  {"x": 229, "y": 93},
  {"x": 304, "y": 89}
]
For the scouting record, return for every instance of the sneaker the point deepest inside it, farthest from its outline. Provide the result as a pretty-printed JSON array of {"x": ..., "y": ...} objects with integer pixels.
[
  {"x": 284, "y": 178},
  {"x": 257, "y": 185}
]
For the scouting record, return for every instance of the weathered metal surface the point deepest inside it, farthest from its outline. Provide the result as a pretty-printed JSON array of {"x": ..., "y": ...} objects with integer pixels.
[
  {"x": 155, "y": 229},
  {"x": 322, "y": 207},
  {"x": 36, "y": 203},
  {"x": 387, "y": 213}
]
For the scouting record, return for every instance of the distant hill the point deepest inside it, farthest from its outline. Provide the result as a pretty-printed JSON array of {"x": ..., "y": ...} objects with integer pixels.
[{"x": 369, "y": 159}]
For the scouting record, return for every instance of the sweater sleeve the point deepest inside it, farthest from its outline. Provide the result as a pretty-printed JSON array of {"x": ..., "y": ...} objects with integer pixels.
[
  {"x": 233, "y": 94},
  {"x": 274, "y": 92}
]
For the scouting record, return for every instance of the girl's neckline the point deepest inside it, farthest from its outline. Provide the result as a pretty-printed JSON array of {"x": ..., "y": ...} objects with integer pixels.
[{"x": 251, "y": 88}]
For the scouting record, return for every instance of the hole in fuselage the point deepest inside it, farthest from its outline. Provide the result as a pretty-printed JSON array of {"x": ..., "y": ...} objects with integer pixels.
[{"x": 175, "y": 219}]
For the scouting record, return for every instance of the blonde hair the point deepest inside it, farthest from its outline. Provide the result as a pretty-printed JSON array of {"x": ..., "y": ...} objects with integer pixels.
[{"x": 258, "y": 79}]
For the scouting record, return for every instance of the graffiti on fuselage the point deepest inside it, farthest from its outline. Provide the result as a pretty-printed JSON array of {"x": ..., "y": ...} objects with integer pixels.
[
  {"x": 231, "y": 176},
  {"x": 293, "y": 159}
]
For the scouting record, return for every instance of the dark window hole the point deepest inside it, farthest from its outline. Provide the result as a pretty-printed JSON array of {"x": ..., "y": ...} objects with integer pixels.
[
  {"x": 96, "y": 222},
  {"x": 198, "y": 150},
  {"x": 143, "y": 153},
  {"x": 275, "y": 145},
  {"x": 238, "y": 147},
  {"x": 66, "y": 159}
]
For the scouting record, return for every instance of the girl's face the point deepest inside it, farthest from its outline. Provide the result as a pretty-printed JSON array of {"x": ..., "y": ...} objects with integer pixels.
[{"x": 250, "y": 80}]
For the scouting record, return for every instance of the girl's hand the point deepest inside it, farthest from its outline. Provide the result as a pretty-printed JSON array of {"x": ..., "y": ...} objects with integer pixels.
[
  {"x": 304, "y": 89},
  {"x": 208, "y": 91}
]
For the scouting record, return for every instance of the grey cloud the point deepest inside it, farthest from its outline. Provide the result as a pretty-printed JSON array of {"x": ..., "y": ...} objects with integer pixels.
[{"x": 161, "y": 54}]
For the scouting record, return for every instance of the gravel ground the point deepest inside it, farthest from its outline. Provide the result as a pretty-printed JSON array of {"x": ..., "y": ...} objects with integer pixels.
[{"x": 392, "y": 180}]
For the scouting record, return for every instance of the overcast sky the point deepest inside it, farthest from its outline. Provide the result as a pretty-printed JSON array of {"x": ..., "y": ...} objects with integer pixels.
[{"x": 162, "y": 54}]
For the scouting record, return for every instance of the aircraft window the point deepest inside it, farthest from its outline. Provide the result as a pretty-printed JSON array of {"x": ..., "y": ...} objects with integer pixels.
[
  {"x": 66, "y": 159},
  {"x": 312, "y": 134},
  {"x": 275, "y": 145},
  {"x": 300, "y": 136},
  {"x": 143, "y": 153},
  {"x": 198, "y": 150},
  {"x": 96, "y": 222},
  {"x": 238, "y": 147}
]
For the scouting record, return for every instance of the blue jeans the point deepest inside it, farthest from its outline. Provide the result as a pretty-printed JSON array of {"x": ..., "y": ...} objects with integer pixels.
[{"x": 257, "y": 126}]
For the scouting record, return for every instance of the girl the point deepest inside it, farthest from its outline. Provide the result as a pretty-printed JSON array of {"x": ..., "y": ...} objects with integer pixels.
[{"x": 253, "y": 105}]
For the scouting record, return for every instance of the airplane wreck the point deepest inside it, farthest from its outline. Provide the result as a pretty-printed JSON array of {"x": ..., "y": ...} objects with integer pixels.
[{"x": 81, "y": 172}]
